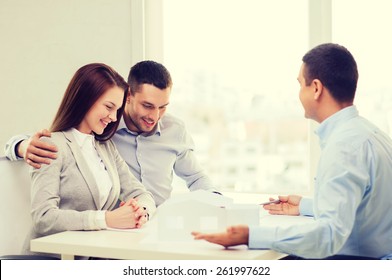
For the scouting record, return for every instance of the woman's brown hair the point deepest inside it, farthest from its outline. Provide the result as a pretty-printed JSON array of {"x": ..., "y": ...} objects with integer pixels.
[{"x": 88, "y": 84}]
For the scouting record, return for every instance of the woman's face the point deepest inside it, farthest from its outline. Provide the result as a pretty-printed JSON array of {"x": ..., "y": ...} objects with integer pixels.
[{"x": 103, "y": 112}]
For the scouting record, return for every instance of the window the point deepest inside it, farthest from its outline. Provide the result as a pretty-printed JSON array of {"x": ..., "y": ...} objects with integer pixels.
[
  {"x": 366, "y": 35},
  {"x": 234, "y": 66}
]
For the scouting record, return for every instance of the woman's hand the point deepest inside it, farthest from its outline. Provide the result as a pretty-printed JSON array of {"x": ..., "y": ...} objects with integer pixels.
[{"x": 128, "y": 215}]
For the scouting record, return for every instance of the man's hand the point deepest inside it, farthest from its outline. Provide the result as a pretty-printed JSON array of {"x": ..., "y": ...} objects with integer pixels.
[
  {"x": 234, "y": 235},
  {"x": 36, "y": 152},
  {"x": 289, "y": 205}
]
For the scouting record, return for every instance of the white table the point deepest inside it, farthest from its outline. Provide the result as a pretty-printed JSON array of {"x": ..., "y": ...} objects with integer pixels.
[
  {"x": 137, "y": 245},
  {"x": 129, "y": 245}
]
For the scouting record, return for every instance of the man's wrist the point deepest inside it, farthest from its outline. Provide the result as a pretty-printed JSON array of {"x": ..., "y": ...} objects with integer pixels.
[
  {"x": 305, "y": 207},
  {"x": 18, "y": 149}
]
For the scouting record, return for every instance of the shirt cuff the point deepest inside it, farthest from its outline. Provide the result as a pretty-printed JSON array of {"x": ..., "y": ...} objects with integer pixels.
[
  {"x": 100, "y": 220},
  {"x": 261, "y": 237},
  {"x": 9, "y": 148},
  {"x": 306, "y": 207}
]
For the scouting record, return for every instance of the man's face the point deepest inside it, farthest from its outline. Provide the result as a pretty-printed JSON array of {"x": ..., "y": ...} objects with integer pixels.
[
  {"x": 146, "y": 107},
  {"x": 306, "y": 95}
]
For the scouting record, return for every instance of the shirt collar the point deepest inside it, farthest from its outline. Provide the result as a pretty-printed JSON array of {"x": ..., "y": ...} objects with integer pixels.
[
  {"x": 82, "y": 138},
  {"x": 156, "y": 130},
  {"x": 327, "y": 127}
]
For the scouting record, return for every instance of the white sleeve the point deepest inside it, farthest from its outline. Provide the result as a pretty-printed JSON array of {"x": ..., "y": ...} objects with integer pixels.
[{"x": 9, "y": 148}]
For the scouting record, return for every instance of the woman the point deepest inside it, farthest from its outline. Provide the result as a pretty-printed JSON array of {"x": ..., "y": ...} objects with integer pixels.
[{"x": 80, "y": 188}]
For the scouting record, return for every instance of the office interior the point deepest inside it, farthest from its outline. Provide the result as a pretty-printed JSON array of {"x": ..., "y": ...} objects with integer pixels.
[{"x": 234, "y": 66}]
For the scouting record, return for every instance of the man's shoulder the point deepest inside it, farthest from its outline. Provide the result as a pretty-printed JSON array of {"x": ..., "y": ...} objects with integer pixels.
[{"x": 171, "y": 121}]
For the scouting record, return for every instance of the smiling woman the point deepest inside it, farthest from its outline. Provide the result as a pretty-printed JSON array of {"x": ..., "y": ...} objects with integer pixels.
[
  {"x": 94, "y": 87},
  {"x": 80, "y": 188}
]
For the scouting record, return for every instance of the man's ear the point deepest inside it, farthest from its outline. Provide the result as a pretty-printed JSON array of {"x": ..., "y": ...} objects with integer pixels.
[
  {"x": 128, "y": 99},
  {"x": 317, "y": 89}
]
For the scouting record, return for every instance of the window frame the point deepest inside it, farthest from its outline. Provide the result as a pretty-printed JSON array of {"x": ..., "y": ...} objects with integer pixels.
[{"x": 147, "y": 43}]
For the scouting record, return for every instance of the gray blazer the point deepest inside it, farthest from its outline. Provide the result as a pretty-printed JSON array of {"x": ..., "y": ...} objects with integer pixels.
[{"x": 64, "y": 194}]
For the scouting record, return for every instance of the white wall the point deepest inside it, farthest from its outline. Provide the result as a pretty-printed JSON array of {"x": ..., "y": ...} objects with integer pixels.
[
  {"x": 43, "y": 42},
  {"x": 15, "y": 218}
]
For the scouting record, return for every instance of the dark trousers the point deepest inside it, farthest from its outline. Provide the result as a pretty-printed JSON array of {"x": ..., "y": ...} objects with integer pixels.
[{"x": 334, "y": 257}]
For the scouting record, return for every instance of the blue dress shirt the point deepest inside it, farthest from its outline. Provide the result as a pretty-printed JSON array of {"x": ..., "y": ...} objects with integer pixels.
[
  {"x": 352, "y": 196},
  {"x": 153, "y": 157}
]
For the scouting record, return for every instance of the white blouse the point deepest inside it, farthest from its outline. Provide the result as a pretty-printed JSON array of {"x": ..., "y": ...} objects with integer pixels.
[
  {"x": 95, "y": 163},
  {"x": 98, "y": 169}
]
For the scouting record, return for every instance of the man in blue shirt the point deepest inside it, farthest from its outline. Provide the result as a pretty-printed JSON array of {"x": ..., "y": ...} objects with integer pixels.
[
  {"x": 153, "y": 144},
  {"x": 352, "y": 192}
]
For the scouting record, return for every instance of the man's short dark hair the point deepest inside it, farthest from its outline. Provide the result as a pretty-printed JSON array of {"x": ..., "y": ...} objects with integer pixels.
[
  {"x": 149, "y": 72},
  {"x": 335, "y": 67}
]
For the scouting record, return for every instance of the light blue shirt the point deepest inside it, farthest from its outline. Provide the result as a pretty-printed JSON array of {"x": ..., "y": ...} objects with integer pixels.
[
  {"x": 152, "y": 158},
  {"x": 352, "y": 196}
]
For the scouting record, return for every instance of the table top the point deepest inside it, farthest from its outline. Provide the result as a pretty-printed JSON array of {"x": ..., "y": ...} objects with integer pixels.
[
  {"x": 132, "y": 245},
  {"x": 145, "y": 244}
]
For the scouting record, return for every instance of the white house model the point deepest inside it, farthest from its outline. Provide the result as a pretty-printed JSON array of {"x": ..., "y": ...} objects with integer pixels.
[{"x": 201, "y": 211}]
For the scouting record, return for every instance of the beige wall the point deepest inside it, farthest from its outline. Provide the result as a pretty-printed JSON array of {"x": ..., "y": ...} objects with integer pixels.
[{"x": 43, "y": 42}]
